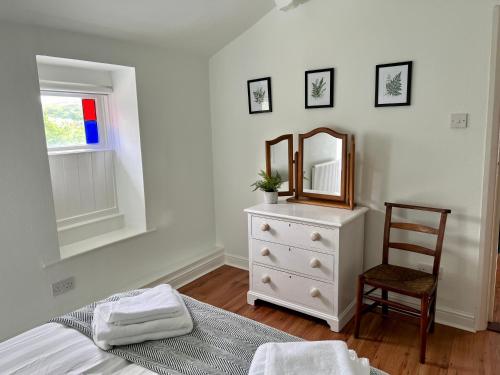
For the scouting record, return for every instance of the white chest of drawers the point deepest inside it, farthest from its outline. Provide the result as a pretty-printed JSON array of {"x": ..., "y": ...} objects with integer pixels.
[{"x": 306, "y": 258}]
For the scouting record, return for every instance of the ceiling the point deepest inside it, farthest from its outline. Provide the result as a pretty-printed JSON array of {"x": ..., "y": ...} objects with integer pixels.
[{"x": 199, "y": 26}]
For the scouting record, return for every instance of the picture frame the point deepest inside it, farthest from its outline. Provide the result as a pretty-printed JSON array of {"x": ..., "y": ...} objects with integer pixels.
[
  {"x": 393, "y": 84},
  {"x": 319, "y": 88},
  {"x": 260, "y": 98}
]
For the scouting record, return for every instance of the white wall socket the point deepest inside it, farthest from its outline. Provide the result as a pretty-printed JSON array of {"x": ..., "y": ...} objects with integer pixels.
[
  {"x": 459, "y": 120},
  {"x": 63, "y": 286}
]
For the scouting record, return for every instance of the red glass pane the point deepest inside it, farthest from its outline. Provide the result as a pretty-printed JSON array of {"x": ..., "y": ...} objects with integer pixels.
[{"x": 88, "y": 106}]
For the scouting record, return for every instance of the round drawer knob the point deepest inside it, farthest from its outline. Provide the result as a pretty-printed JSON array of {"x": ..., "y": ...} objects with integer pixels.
[
  {"x": 265, "y": 252},
  {"x": 315, "y": 236},
  {"x": 265, "y": 279},
  {"x": 314, "y": 292},
  {"x": 264, "y": 227},
  {"x": 315, "y": 263}
]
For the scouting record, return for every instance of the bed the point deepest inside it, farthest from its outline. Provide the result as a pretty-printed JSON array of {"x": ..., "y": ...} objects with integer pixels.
[{"x": 220, "y": 343}]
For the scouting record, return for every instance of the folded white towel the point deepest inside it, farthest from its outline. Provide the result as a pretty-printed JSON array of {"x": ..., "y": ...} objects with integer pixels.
[
  {"x": 319, "y": 358},
  {"x": 107, "y": 334},
  {"x": 106, "y": 345},
  {"x": 159, "y": 302},
  {"x": 145, "y": 319}
]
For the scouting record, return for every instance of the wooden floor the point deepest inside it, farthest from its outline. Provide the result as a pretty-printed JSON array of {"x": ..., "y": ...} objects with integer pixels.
[{"x": 390, "y": 344}]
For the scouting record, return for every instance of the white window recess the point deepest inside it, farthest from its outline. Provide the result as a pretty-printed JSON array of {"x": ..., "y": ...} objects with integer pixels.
[{"x": 98, "y": 189}]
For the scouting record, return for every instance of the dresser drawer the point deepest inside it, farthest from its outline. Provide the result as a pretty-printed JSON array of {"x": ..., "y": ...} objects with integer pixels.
[
  {"x": 293, "y": 259},
  {"x": 296, "y": 289},
  {"x": 294, "y": 234}
]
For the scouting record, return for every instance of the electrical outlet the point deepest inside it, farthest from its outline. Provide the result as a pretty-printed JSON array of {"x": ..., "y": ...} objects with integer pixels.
[
  {"x": 63, "y": 286},
  {"x": 428, "y": 268}
]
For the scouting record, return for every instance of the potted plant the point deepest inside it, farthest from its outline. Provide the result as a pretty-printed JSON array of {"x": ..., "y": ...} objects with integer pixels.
[{"x": 269, "y": 184}]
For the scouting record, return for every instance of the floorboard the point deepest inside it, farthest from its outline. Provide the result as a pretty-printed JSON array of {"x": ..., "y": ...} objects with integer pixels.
[{"x": 390, "y": 344}]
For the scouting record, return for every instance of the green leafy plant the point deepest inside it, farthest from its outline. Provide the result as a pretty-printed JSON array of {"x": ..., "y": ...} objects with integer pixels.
[
  {"x": 268, "y": 183},
  {"x": 393, "y": 85},
  {"x": 318, "y": 88},
  {"x": 259, "y": 95}
]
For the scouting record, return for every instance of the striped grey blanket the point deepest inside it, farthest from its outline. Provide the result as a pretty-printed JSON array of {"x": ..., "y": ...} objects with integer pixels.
[{"x": 220, "y": 343}]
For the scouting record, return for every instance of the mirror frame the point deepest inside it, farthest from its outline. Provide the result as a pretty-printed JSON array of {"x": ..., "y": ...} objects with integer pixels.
[
  {"x": 343, "y": 182},
  {"x": 289, "y": 138}
]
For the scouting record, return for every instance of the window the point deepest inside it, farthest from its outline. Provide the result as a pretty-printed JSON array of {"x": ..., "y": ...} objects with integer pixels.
[
  {"x": 74, "y": 121},
  {"x": 81, "y": 159},
  {"x": 95, "y": 168}
]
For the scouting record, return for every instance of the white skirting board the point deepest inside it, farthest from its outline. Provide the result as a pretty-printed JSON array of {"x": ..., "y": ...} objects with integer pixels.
[
  {"x": 236, "y": 261},
  {"x": 188, "y": 272},
  {"x": 444, "y": 315},
  {"x": 203, "y": 265}
]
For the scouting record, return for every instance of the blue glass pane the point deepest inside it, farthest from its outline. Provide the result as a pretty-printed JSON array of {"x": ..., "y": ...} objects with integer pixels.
[{"x": 91, "y": 132}]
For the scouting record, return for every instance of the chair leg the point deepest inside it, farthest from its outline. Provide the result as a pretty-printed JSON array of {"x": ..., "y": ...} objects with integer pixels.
[
  {"x": 424, "y": 320},
  {"x": 385, "y": 296},
  {"x": 433, "y": 313},
  {"x": 359, "y": 305}
]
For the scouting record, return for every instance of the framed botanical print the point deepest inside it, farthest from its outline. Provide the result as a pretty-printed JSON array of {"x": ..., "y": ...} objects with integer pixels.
[
  {"x": 259, "y": 95},
  {"x": 319, "y": 88},
  {"x": 393, "y": 84}
]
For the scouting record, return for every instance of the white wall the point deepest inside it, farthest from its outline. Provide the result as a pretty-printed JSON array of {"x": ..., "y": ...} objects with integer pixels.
[
  {"x": 176, "y": 147},
  {"x": 406, "y": 154}
]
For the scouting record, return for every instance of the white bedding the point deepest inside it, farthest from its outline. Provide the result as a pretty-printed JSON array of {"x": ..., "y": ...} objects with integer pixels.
[{"x": 54, "y": 349}]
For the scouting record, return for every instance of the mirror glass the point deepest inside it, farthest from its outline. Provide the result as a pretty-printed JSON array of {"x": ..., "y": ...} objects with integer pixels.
[
  {"x": 279, "y": 162},
  {"x": 322, "y": 163}
]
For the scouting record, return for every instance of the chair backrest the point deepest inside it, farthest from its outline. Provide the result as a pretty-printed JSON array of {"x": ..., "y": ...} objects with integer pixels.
[{"x": 439, "y": 232}]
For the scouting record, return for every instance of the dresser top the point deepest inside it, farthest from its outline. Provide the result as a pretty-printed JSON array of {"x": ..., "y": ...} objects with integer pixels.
[{"x": 312, "y": 214}]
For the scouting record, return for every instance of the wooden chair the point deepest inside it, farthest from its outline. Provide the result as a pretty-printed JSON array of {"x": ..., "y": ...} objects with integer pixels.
[{"x": 402, "y": 280}]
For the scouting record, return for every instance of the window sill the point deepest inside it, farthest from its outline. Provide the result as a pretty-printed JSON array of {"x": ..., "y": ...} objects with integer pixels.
[
  {"x": 78, "y": 151},
  {"x": 84, "y": 230},
  {"x": 98, "y": 242}
]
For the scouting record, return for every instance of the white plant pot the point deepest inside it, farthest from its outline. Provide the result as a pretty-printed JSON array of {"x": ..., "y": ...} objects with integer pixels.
[{"x": 271, "y": 197}]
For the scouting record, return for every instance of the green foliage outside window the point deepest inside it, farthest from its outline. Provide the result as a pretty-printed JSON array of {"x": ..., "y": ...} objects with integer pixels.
[{"x": 63, "y": 120}]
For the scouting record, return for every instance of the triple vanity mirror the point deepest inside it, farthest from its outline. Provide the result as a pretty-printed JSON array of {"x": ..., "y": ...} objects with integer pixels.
[{"x": 322, "y": 171}]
